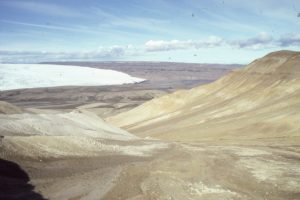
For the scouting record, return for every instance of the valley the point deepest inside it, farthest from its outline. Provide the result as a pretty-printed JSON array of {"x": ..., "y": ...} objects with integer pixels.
[{"x": 234, "y": 138}]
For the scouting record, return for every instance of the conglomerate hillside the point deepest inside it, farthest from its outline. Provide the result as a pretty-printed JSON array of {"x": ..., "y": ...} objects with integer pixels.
[
  {"x": 260, "y": 101},
  {"x": 52, "y": 150}
]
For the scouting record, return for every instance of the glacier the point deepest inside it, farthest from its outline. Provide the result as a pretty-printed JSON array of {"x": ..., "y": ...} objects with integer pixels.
[{"x": 20, "y": 76}]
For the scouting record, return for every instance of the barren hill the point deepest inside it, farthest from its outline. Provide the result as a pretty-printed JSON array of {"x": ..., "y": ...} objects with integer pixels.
[
  {"x": 260, "y": 101},
  {"x": 64, "y": 155},
  {"x": 7, "y": 108}
]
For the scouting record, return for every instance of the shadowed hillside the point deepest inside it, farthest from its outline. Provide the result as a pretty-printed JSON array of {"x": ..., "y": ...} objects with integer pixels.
[{"x": 14, "y": 183}]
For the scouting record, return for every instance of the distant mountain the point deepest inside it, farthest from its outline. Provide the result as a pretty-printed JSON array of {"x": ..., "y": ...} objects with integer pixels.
[{"x": 259, "y": 101}]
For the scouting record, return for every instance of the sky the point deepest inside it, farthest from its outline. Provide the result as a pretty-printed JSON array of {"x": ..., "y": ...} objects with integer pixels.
[{"x": 194, "y": 31}]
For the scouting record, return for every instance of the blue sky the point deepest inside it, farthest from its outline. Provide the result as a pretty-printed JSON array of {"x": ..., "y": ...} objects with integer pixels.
[{"x": 214, "y": 31}]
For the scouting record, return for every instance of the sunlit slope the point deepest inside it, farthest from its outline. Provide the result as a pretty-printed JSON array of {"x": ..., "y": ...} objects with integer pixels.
[{"x": 260, "y": 101}]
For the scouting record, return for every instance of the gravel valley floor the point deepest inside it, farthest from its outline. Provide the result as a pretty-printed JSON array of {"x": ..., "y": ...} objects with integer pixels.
[{"x": 180, "y": 171}]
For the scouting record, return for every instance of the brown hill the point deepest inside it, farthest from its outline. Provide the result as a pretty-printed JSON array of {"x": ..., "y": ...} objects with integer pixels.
[
  {"x": 7, "y": 108},
  {"x": 260, "y": 101}
]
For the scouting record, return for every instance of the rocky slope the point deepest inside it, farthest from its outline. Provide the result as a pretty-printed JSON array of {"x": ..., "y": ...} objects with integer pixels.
[
  {"x": 77, "y": 133},
  {"x": 44, "y": 149},
  {"x": 7, "y": 108},
  {"x": 260, "y": 101}
]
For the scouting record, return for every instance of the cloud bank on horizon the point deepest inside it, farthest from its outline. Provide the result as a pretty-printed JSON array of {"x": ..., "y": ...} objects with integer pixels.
[{"x": 216, "y": 31}]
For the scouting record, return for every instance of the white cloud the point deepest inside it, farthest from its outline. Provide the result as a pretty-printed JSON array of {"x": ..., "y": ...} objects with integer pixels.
[
  {"x": 264, "y": 40},
  {"x": 161, "y": 45},
  {"x": 261, "y": 41},
  {"x": 103, "y": 53},
  {"x": 289, "y": 40}
]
